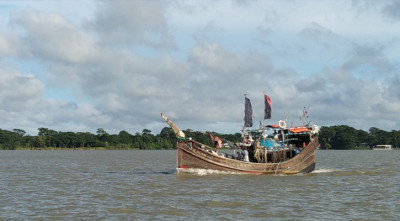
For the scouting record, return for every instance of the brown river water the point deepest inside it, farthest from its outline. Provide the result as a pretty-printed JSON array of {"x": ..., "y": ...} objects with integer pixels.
[{"x": 144, "y": 185}]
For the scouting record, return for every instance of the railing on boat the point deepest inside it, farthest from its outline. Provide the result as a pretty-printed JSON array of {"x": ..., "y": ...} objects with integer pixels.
[{"x": 272, "y": 156}]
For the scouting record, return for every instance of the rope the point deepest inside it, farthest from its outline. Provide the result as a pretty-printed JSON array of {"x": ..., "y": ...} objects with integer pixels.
[{"x": 276, "y": 168}]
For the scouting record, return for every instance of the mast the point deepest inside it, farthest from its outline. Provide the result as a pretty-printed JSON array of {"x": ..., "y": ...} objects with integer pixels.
[
  {"x": 267, "y": 115},
  {"x": 304, "y": 118},
  {"x": 177, "y": 131}
]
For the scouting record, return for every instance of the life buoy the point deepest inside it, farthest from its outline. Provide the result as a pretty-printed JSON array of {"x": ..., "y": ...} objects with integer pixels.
[{"x": 282, "y": 124}]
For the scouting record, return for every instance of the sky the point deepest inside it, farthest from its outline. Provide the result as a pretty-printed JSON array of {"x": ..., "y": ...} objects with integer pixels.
[{"x": 83, "y": 65}]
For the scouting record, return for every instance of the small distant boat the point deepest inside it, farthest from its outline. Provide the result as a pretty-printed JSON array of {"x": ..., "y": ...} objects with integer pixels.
[
  {"x": 382, "y": 147},
  {"x": 284, "y": 151}
]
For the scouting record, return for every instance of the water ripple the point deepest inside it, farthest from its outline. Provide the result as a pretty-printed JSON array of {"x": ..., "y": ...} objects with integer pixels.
[{"x": 144, "y": 185}]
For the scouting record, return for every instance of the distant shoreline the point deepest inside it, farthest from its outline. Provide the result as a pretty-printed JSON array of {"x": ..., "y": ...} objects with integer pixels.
[
  {"x": 80, "y": 148},
  {"x": 118, "y": 148}
]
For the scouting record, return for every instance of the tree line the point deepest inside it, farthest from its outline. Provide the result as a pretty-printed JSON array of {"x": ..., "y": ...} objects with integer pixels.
[
  {"x": 332, "y": 137},
  {"x": 48, "y": 138},
  {"x": 345, "y": 137}
]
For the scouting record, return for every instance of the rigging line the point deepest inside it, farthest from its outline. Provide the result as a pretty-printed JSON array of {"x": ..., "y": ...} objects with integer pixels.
[{"x": 276, "y": 168}]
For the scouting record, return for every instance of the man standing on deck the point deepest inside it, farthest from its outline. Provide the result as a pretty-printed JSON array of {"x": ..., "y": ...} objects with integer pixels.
[{"x": 246, "y": 154}]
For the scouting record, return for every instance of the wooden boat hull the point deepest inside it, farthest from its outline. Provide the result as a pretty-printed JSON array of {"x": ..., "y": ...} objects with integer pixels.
[{"x": 192, "y": 156}]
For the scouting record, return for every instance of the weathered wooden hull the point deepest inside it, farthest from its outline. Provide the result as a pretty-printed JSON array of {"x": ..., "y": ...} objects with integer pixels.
[{"x": 189, "y": 156}]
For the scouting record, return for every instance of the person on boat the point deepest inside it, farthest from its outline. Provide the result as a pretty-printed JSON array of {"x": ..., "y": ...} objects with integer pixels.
[
  {"x": 245, "y": 155},
  {"x": 258, "y": 151},
  {"x": 236, "y": 155},
  {"x": 190, "y": 142},
  {"x": 239, "y": 155},
  {"x": 217, "y": 142}
]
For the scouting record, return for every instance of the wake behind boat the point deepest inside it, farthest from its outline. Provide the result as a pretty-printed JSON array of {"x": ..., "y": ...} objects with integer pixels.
[{"x": 272, "y": 149}]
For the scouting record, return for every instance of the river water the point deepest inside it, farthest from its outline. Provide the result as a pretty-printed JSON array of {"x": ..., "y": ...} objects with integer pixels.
[{"x": 144, "y": 185}]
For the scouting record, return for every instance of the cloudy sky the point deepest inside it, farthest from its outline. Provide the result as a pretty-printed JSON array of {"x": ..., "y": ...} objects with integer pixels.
[{"x": 82, "y": 65}]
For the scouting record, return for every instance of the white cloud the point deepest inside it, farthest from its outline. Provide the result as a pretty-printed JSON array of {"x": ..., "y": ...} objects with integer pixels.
[
  {"x": 119, "y": 62},
  {"x": 18, "y": 90},
  {"x": 133, "y": 22},
  {"x": 6, "y": 48},
  {"x": 51, "y": 37},
  {"x": 391, "y": 10},
  {"x": 22, "y": 106}
]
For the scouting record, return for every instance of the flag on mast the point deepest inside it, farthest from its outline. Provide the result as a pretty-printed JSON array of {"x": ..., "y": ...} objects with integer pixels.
[
  {"x": 248, "y": 113},
  {"x": 267, "y": 111}
]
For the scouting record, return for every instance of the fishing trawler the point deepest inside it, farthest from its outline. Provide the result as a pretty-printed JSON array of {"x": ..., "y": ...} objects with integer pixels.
[{"x": 271, "y": 149}]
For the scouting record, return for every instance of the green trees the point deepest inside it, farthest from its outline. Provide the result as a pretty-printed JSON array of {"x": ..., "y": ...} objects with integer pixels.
[
  {"x": 10, "y": 140},
  {"x": 325, "y": 137},
  {"x": 48, "y": 138},
  {"x": 345, "y": 137},
  {"x": 395, "y": 138},
  {"x": 333, "y": 137}
]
